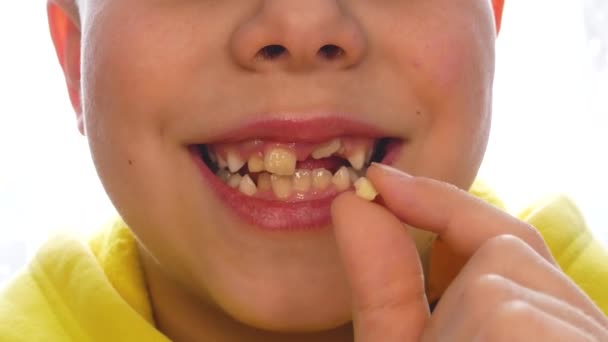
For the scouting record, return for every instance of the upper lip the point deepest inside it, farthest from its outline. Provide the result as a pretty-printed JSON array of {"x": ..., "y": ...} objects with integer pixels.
[{"x": 300, "y": 128}]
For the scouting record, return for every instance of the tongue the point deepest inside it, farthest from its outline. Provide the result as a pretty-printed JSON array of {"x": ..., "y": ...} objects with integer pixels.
[{"x": 331, "y": 163}]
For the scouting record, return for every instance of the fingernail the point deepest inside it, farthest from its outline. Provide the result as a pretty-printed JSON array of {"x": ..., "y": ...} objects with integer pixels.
[{"x": 389, "y": 170}]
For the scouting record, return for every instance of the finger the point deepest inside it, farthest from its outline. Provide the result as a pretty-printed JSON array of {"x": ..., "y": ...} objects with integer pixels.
[
  {"x": 383, "y": 269},
  {"x": 521, "y": 321},
  {"x": 508, "y": 257},
  {"x": 461, "y": 220},
  {"x": 491, "y": 291}
]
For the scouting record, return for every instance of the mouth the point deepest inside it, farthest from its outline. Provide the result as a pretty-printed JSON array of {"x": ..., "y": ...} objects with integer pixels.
[{"x": 287, "y": 181}]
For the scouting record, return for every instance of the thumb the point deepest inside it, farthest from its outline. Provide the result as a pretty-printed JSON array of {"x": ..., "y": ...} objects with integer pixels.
[{"x": 383, "y": 270}]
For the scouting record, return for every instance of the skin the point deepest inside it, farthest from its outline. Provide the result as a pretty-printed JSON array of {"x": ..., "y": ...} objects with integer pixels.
[{"x": 148, "y": 78}]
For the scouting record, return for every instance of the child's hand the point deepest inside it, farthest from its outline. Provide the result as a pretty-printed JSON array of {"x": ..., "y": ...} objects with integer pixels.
[{"x": 510, "y": 289}]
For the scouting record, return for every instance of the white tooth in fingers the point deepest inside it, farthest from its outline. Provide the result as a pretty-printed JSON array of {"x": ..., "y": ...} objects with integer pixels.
[
  {"x": 234, "y": 180},
  {"x": 280, "y": 161},
  {"x": 264, "y": 183},
  {"x": 223, "y": 174},
  {"x": 321, "y": 179},
  {"x": 235, "y": 162},
  {"x": 302, "y": 180},
  {"x": 341, "y": 179},
  {"x": 365, "y": 189},
  {"x": 247, "y": 186},
  {"x": 357, "y": 158},
  {"x": 281, "y": 186},
  {"x": 255, "y": 163},
  {"x": 327, "y": 149}
]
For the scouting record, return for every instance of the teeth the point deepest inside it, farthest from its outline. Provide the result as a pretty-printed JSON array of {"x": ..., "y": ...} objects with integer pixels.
[
  {"x": 212, "y": 157},
  {"x": 255, "y": 163},
  {"x": 327, "y": 149},
  {"x": 264, "y": 183},
  {"x": 223, "y": 174},
  {"x": 221, "y": 162},
  {"x": 357, "y": 158},
  {"x": 281, "y": 186},
  {"x": 352, "y": 174},
  {"x": 302, "y": 180},
  {"x": 234, "y": 180},
  {"x": 365, "y": 189},
  {"x": 235, "y": 162},
  {"x": 321, "y": 179},
  {"x": 341, "y": 179},
  {"x": 247, "y": 186},
  {"x": 280, "y": 161}
]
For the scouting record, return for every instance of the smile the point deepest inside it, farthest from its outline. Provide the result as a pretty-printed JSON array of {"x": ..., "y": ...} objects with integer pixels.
[{"x": 284, "y": 180}]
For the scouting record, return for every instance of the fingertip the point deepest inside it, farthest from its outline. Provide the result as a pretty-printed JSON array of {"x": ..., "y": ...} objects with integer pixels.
[
  {"x": 378, "y": 170},
  {"x": 342, "y": 201},
  {"x": 343, "y": 207}
]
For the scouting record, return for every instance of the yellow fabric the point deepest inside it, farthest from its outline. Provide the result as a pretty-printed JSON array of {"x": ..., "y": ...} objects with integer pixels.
[
  {"x": 70, "y": 293},
  {"x": 579, "y": 255},
  {"x": 73, "y": 291}
]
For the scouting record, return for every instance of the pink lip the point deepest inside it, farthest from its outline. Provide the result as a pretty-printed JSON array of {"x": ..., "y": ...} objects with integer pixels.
[
  {"x": 300, "y": 130},
  {"x": 281, "y": 215}
]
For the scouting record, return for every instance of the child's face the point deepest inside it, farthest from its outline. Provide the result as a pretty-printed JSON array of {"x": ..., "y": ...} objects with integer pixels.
[{"x": 160, "y": 77}]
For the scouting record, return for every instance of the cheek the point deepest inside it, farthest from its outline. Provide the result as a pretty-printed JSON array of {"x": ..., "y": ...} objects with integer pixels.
[
  {"x": 139, "y": 61},
  {"x": 454, "y": 76}
]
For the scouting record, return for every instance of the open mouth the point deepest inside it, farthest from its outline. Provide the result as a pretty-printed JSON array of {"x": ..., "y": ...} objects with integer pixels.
[
  {"x": 283, "y": 174},
  {"x": 296, "y": 171}
]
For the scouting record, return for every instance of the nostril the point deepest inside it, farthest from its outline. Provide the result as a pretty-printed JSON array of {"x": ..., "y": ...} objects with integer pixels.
[
  {"x": 331, "y": 51},
  {"x": 272, "y": 51}
]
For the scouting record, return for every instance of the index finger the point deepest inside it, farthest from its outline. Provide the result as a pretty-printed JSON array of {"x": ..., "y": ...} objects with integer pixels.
[{"x": 461, "y": 220}]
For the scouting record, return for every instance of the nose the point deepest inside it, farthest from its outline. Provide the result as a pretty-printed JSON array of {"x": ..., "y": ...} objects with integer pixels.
[{"x": 298, "y": 35}]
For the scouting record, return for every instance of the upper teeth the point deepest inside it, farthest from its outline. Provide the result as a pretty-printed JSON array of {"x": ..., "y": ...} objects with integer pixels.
[
  {"x": 255, "y": 163},
  {"x": 327, "y": 149},
  {"x": 235, "y": 162},
  {"x": 357, "y": 159},
  {"x": 280, "y": 161}
]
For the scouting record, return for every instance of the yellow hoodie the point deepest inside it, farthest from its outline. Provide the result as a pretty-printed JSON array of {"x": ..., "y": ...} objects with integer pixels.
[{"x": 72, "y": 291}]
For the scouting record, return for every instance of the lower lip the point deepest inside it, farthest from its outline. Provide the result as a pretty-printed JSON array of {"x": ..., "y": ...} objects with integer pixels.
[{"x": 273, "y": 214}]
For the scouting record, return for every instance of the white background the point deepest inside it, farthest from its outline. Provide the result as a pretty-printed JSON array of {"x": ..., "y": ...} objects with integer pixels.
[{"x": 548, "y": 132}]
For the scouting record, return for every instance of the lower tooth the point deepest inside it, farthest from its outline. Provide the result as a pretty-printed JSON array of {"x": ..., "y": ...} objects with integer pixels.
[
  {"x": 234, "y": 180},
  {"x": 223, "y": 174},
  {"x": 247, "y": 186},
  {"x": 341, "y": 179},
  {"x": 321, "y": 179},
  {"x": 264, "y": 183},
  {"x": 302, "y": 181},
  {"x": 281, "y": 186}
]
